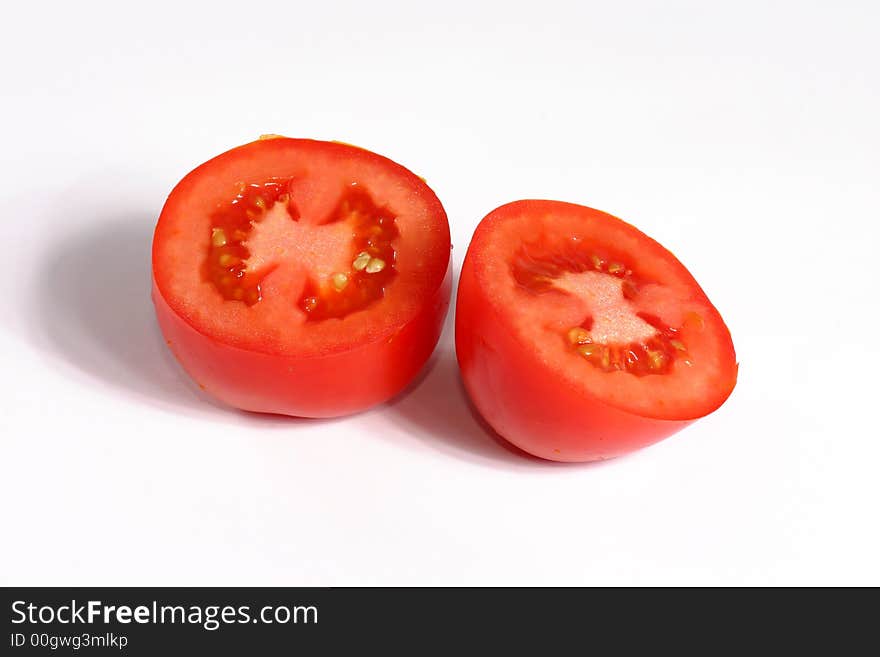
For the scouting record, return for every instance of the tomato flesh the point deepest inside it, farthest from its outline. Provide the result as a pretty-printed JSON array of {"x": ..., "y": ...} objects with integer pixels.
[
  {"x": 581, "y": 338},
  {"x": 301, "y": 277}
]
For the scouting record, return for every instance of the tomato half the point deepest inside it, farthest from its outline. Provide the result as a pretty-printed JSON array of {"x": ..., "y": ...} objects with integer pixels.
[
  {"x": 301, "y": 277},
  {"x": 580, "y": 338}
]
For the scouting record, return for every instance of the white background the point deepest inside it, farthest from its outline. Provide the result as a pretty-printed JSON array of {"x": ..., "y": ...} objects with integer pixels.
[{"x": 745, "y": 136}]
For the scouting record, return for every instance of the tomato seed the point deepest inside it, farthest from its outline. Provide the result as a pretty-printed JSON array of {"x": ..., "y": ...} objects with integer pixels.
[
  {"x": 375, "y": 265},
  {"x": 579, "y": 335},
  {"x": 589, "y": 350},
  {"x": 360, "y": 263},
  {"x": 218, "y": 237},
  {"x": 656, "y": 359}
]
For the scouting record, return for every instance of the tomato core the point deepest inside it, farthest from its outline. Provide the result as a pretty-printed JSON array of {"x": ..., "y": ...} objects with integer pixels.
[
  {"x": 349, "y": 257},
  {"x": 615, "y": 336}
]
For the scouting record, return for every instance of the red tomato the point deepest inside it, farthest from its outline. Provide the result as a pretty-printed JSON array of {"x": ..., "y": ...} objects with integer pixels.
[
  {"x": 301, "y": 277},
  {"x": 580, "y": 338}
]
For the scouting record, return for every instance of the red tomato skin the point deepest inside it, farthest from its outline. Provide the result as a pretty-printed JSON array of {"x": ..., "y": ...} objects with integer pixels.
[
  {"x": 326, "y": 386},
  {"x": 527, "y": 405}
]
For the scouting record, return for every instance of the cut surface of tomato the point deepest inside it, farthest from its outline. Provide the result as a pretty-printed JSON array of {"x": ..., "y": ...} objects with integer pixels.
[
  {"x": 581, "y": 338},
  {"x": 284, "y": 257}
]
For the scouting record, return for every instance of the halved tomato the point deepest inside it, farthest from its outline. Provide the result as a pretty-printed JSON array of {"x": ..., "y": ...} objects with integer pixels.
[
  {"x": 580, "y": 338},
  {"x": 301, "y": 277}
]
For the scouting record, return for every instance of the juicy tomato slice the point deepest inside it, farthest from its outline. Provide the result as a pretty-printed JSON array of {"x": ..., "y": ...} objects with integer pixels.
[
  {"x": 581, "y": 338},
  {"x": 301, "y": 277}
]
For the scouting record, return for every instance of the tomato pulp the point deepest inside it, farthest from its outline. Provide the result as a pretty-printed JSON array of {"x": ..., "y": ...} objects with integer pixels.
[
  {"x": 301, "y": 277},
  {"x": 580, "y": 338}
]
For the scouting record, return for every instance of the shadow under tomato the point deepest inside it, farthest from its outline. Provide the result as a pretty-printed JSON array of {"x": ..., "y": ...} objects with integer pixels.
[
  {"x": 93, "y": 310},
  {"x": 438, "y": 409}
]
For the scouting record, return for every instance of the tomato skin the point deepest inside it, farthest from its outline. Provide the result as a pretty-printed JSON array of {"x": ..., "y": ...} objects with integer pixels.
[
  {"x": 319, "y": 387},
  {"x": 525, "y": 401}
]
